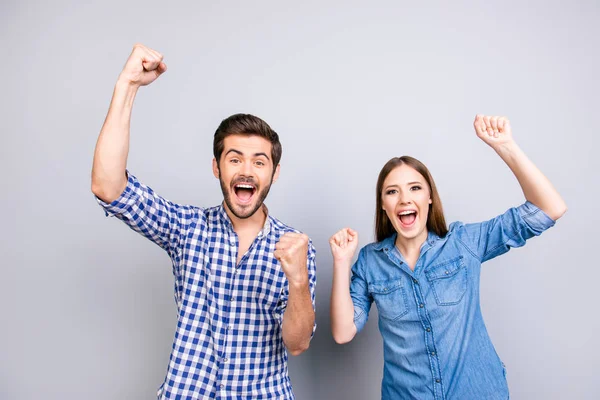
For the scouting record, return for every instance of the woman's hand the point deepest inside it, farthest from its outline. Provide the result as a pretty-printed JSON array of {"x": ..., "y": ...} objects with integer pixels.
[
  {"x": 493, "y": 130},
  {"x": 343, "y": 246}
]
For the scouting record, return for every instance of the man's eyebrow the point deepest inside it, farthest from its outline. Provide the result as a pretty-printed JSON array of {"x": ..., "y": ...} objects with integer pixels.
[
  {"x": 262, "y": 154},
  {"x": 234, "y": 151},
  {"x": 241, "y": 154}
]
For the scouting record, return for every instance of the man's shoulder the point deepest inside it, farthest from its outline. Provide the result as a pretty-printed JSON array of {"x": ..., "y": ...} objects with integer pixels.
[
  {"x": 279, "y": 227},
  {"x": 211, "y": 212}
]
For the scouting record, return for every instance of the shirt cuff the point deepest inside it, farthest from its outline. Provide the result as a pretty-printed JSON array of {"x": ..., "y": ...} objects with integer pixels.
[
  {"x": 360, "y": 318},
  {"x": 314, "y": 328},
  {"x": 129, "y": 196},
  {"x": 537, "y": 220}
]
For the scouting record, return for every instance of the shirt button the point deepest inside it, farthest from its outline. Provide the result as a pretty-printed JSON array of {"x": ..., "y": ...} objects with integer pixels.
[
  {"x": 433, "y": 353},
  {"x": 225, "y": 359},
  {"x": 421, "y": 305},
  {"x": 428, "y": 329},
  {"x": 222, "y": 386},
  {"x": 446, "y": 272},
  {"x": 437, "y": 381},
  {"x": 415, "y": 281},
  {"x": 228, "y": 327}
]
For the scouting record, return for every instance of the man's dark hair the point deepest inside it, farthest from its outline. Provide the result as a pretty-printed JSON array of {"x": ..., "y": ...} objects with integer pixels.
[{"x": 246, "y": 124}]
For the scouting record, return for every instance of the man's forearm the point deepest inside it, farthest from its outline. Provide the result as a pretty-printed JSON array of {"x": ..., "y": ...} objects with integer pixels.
[
  {"x": 112, "y": 148},
  {"x": 143, "y": 67},
  {"x": 298, "y": 319}
]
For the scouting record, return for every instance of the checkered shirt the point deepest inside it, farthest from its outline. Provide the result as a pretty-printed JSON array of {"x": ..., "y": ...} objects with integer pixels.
[{"x": 228, "y": 342}]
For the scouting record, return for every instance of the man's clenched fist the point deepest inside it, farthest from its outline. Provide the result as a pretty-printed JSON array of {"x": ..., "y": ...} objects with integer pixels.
[
  {"x": 291, "y": 251},
  {"x": 143, "y": 66}
]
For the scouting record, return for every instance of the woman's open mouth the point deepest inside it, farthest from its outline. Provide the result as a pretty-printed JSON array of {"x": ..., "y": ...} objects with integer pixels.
[{"x": 407, "y": 218}]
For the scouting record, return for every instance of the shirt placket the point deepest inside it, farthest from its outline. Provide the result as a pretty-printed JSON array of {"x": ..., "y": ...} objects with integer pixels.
[
  {"x": 225, "y": 329},
  {"x": 225, "y": 371},
  {"x": 430, "y": 348}
]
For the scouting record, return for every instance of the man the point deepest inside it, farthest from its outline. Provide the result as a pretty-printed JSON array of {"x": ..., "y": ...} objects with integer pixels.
[{"x": 244, "y": 281}]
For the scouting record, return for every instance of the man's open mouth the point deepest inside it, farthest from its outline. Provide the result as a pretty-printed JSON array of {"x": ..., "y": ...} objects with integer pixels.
[{"x": 244, "y": 192}]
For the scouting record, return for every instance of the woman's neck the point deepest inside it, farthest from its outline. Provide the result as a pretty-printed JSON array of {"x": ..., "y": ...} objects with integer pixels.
[{"x": 411, "y": 248}]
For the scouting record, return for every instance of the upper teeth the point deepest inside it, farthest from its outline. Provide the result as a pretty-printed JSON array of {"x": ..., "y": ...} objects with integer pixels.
[
  {"x": 406, "y": 212},
  {"x": 244, "y": 186}
]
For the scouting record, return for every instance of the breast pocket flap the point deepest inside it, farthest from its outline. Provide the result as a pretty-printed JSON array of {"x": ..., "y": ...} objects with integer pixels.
[
  {"x": 385, "y": 287},
  {"x": 445, "y": 269}
]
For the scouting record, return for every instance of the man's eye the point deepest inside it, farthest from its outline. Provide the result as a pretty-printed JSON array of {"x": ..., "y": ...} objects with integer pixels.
[
  {"x": 260, "y": 163},
  {"x": 234, "y": 161}
]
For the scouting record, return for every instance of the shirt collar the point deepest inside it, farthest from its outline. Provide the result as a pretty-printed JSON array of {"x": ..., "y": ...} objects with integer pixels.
[
  {"x": 266, "y": 229},
  {"x": 390, "y": 241}
]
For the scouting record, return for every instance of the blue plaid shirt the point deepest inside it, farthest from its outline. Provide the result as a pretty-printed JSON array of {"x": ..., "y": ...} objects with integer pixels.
[{"x": 228, "y": 343}]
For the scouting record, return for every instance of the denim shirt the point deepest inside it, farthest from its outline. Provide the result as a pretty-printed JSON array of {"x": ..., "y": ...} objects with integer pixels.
[{"x": 436, "y": 345}]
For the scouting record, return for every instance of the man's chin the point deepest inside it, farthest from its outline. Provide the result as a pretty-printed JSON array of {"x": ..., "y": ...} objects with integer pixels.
[{"x": 244, "y": 211}]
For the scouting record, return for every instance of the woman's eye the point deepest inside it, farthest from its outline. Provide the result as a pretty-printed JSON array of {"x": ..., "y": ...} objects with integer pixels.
[
  {"x": 391, "y": 191},
  {"x": 415, "y": 188}
]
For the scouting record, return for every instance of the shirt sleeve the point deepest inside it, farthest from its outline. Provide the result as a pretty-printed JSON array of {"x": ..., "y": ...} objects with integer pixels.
[
  {"x": 156, "y": 218},
  {"x": 359, "y": 292},
  {"x": 492, "y": 238},
  {"x": 312, "y": 282}
]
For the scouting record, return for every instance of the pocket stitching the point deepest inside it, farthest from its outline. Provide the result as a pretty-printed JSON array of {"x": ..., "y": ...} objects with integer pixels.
[
  {"x": 433, "y": 278},
  {"x": 457, "y": 263},
  {"x": 391, "y": 288}
]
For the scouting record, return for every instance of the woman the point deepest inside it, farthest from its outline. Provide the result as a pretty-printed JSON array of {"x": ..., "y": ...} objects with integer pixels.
[{"x": 424, "y": 277}]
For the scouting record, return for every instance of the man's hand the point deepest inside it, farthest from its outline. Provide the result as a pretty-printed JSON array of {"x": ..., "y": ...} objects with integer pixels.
[
  {"x": 143, "y": 66},
  {"x": 291, "y": 251}
]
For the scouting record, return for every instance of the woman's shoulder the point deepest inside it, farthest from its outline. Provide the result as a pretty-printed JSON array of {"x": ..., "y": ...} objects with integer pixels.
[{"x": 378, "y": 246}]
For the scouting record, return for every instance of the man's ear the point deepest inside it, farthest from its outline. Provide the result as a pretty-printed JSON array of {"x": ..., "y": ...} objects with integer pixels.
[
  {"x": 215, "y": 166},
  {"x": 276, "y": 174}
]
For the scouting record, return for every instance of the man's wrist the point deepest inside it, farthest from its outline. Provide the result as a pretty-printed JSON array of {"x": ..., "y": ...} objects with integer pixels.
[
  {"x": 126, "y": 85},
  {"x": 299, "y": 283}
]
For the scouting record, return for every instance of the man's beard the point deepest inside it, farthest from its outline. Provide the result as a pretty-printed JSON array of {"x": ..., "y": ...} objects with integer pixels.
[{"x": 243, "y": 212}]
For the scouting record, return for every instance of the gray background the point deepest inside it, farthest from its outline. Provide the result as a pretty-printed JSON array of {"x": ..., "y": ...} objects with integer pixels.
[{"x": 87, "y": 305}]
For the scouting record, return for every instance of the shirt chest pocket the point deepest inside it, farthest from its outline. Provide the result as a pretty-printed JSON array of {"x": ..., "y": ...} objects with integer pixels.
[
  {"x": 448, "y": 281},
  {"x": 390, "y": 298}
]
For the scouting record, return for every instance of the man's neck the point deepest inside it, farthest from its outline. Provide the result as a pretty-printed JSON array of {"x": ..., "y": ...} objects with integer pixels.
[{"x": 254, "y": 223}]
